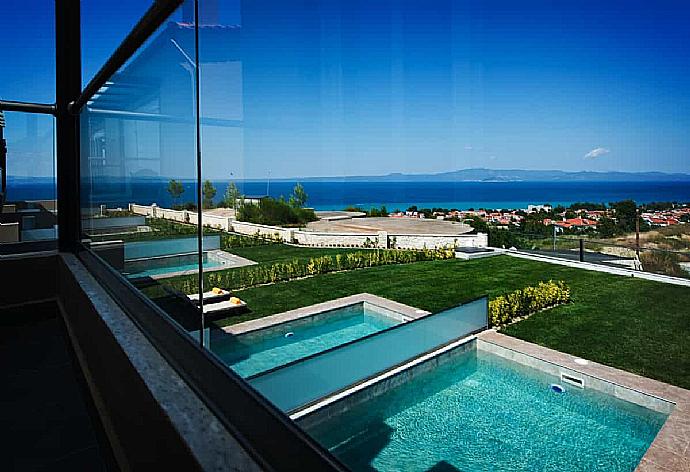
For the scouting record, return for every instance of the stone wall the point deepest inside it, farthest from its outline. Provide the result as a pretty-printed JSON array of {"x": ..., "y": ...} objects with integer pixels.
[
  {"x": 381, "y": 239},
  {"x": 215, "y": 221},
  {"x": 310, "y": 238},
  {"x": 270, "y": 232},
  {"x": 145, "y": 210},
  {"x": 431, "y": 241}
]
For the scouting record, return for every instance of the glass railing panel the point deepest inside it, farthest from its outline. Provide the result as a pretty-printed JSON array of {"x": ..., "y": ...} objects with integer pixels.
[
  {"x": 311, "y": 379},
  {"x": 103, "y": 27},
  {"x": 28, "y": 205},
  {"x": 139, "y": 155},
  {"x": 222, "y": 104}
]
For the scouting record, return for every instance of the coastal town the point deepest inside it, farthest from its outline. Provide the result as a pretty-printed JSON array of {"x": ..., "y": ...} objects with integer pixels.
[{"x": 572, "y": 218}]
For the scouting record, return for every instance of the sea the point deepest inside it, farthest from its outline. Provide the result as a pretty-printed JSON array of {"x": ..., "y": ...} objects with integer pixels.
[{"x": 339, "y": 194}]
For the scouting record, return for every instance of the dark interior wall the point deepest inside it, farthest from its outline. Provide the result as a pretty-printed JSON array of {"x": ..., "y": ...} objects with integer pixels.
[
  {"x": 27, "y": 278},
  {"x": 140, "y": 432}
]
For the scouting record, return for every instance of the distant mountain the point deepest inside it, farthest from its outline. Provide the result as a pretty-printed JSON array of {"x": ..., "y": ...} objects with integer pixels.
[
  {"x": 513, "y": 175},
  {"x": 464, "y": 175}
]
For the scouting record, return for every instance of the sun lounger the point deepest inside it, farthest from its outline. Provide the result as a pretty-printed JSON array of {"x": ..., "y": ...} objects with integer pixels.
[
  {"x": 210, "y": 297},
  {"x": 224, "y": 306}
]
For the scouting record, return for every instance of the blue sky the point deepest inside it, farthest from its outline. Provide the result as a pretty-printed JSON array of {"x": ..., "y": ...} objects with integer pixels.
[{"x": 370, "y": 87}]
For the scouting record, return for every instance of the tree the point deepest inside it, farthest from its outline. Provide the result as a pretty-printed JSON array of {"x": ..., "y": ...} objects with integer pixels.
[
  {"x": 479, "y": 225},
  {"x": 232, "y": 194},
  {"x": 587, "y": 206},
  {"x": 209, "y": 192},
  {"x": 299, "y": 197},
  {"x": 377, "y": 212},
  {"x": 175, "y": 189},
  {"x": 606, "y": 228},
  {"x": 626, "y": 213}
]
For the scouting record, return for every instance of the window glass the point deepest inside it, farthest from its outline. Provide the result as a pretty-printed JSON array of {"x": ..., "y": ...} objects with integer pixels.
[{"x": 29, "y": 212}]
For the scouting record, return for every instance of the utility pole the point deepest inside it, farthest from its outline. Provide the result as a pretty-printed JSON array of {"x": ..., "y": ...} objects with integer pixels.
[
  {"x": 637, "y": 232},
  {"x": 268, "y": 184}
]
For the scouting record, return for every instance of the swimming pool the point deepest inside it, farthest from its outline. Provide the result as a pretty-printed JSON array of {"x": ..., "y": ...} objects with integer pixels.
[
  {"x": 478, "y": 411},
  {"x": 169, "y": 266},
  {"x": 258, "y": 351}
]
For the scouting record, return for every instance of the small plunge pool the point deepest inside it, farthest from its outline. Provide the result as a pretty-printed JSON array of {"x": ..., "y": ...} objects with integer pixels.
[{"x": 265, "y": 349}]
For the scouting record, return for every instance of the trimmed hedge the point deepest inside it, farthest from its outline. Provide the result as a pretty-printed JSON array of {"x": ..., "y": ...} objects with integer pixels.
[
  {"x": 506, "y": 308},
  {"x": 249, "y": 276},
  {"x": 231, "y": 240}
]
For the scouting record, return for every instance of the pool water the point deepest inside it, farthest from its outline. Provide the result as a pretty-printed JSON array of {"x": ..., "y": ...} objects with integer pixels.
[
  {"x": 208, "y": 264},
  {"x": 158, "y": 266},
  {"x": 256, "y": 352},
  {"x": 479, "y": 412}
]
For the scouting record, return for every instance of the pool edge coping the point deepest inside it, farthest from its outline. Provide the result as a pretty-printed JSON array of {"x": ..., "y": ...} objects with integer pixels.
[
  {"x": 231, "y": 261},
  {"x": 406, "y": 311},
  {"x": 670, "y": 450}
]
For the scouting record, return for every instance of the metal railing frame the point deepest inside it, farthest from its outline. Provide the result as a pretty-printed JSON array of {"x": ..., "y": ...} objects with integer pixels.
[{"x": 268, "y": 435}]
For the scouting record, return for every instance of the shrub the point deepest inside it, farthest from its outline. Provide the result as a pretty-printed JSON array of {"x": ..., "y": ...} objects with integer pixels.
[
  {"x": 506, "y": 308},
  {"x": 228, "y": 241},
  {"x": 244, "y": 277},
  {"x": 274, "y": 212},
  {"x": 666, "y": 263}
]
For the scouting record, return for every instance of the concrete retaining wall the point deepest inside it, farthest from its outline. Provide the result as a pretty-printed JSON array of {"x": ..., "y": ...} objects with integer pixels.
[
  {"x": 215, "y": 221},
  {"x": 271, "y": 232},
  {"x": 308, "y": 238},
  {"x": 380, "y": 239},
  {"x": 431, "y": 241}
]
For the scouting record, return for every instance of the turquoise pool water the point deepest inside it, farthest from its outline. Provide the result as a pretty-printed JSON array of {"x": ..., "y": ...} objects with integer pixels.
[
  {"x": 173, "y": 268},
  {"x": 252, "y": 353},
  {"x": 480, "y": 412}
]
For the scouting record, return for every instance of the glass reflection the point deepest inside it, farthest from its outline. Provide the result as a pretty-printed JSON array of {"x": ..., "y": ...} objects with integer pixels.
[{"x": 28, "y": 206}]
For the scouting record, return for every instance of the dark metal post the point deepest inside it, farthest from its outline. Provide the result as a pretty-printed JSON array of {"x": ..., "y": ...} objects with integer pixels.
[
  {"x": 67, "y": 90},
  {"x": 582, "y": 250},
  {"x": 200, "y": 205},
  {"x": 3, "y": 162}
]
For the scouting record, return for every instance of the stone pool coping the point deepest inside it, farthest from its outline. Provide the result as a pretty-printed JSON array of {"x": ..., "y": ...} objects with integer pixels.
[
  {"x": 407, "y": 312},
  {"x": 230, "y": 261},
  {"x": 670, "y": 450}
]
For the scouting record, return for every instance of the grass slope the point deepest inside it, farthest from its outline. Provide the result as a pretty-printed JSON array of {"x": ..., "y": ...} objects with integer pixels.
[{"x": 272, "y": 253}]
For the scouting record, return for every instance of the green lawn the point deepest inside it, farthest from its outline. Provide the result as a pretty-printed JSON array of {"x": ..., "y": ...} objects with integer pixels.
[
  {"x": 632, "y": 324},
  {"x": 263, "y": 254},
  {"x": 272, "y": 253}
]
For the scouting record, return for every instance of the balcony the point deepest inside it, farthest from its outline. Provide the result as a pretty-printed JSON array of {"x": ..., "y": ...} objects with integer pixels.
[{"x": 228, "y": 250}]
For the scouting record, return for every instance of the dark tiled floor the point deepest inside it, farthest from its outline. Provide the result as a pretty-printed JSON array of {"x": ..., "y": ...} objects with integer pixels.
[{"x": 46, "y": 418}]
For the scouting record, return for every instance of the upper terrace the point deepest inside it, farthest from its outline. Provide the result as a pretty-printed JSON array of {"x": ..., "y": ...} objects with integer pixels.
[{"x": 135, "y": 371}]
